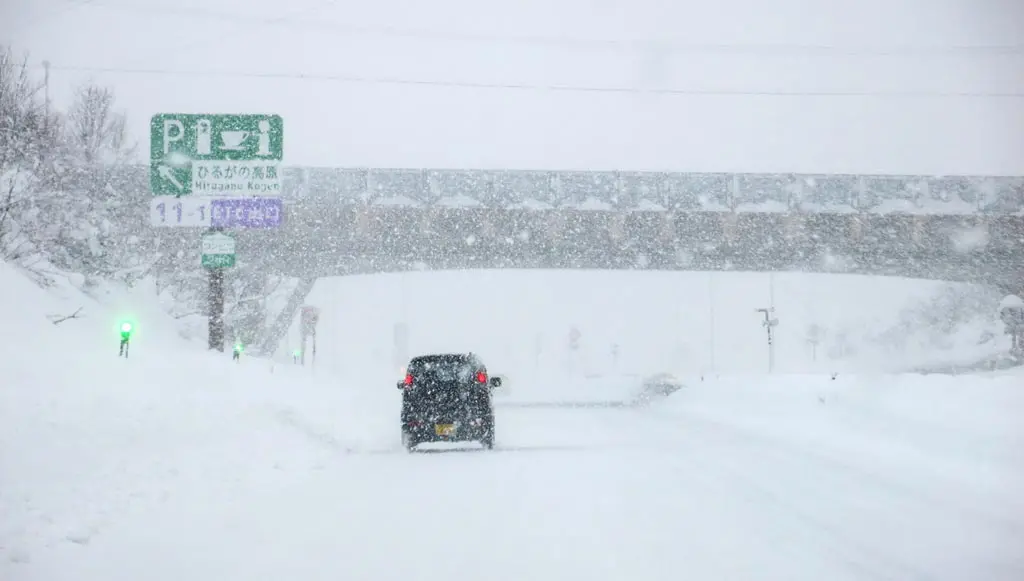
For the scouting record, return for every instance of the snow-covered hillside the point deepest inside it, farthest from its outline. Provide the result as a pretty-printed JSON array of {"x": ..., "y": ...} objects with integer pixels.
[
  {"x": 88, "y": 439},
  {"x": 641, "y": 322}
]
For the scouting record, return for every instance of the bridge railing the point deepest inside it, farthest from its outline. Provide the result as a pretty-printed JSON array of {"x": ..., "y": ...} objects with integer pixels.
[
  {"x": 640, "y": 190},
  {"x": 377, "y": 226},
  {"x": 678, "y": 191}
]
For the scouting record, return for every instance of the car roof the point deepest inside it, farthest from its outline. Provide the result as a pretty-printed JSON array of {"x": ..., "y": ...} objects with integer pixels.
[{"x": 445, "y": 357}]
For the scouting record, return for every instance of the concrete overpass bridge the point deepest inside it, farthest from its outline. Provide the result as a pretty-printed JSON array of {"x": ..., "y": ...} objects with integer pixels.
[
  {"x": 343, "y": 221},
  {"x": 354, "y": 221},
  {"x": 326, "y": 241}
]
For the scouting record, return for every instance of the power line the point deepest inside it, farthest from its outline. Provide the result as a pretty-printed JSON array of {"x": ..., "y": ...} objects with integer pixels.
[
  {"x": 763, "y": 49},
  {"x": 239, "y": 29},
  {"x": 67, "y": 7},
  {"x": 365, "y": 80}
]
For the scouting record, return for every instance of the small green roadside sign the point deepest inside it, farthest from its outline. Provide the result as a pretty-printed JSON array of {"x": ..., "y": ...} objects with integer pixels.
[
  {"x": 215, "y": 155},
  {"x": 218, "y": 250}
]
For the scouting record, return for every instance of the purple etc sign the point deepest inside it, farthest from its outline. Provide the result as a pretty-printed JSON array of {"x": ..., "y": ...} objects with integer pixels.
[{"x": 246, "y": 213}]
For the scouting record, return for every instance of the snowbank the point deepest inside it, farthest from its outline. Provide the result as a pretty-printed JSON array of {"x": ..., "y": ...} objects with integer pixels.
[
  {"x": 88, "y": 438},
  {"x": 565, "y": 389},
  {"x": 963, "y": 430}
]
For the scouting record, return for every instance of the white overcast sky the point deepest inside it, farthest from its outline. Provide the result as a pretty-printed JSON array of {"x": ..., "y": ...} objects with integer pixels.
[{"x": 813, "y": 46}]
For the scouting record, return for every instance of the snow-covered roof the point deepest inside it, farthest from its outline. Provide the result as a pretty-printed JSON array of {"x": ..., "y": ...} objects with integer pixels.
[
  {"x": 530, "y": 204},
  {"x": 591, "y": 204},
  {"x": 396, "y": 201},
  {"x": 1011, "y": 302},
  {"x": 459, "y": 201},
  {"x": 648, "y": 206}
]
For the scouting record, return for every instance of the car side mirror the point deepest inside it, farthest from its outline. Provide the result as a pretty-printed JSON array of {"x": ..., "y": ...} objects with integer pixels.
[{"x": 495, "y": 382}]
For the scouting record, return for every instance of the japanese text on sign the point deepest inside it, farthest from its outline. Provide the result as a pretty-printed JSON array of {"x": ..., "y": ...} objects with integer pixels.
[
  {"x": 241, "y": 177},
  {"x": 255, "y": 212}
]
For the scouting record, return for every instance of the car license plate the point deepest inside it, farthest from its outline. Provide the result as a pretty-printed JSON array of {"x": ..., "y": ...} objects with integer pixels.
[{"x": 444, "y": 429}]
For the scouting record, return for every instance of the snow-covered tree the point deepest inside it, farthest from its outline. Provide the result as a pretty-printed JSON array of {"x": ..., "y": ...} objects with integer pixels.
[
  {"x": 84, "y": 211},
  {"x": 815, "y": 337},
  {"x": 27, "y": 145},
  {"x": 841, "y": 345},
  {"x": 94, "y": 131},
  {"x": 935, "y": 321}
]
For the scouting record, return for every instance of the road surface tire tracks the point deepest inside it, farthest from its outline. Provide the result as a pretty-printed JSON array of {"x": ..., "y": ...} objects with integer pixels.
[
  {"x": 786, "y": 449},
  {"x": 859, "y": 557}
]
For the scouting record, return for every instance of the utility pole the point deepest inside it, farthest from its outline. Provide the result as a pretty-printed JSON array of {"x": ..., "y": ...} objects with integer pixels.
[
  {"x": 538, "y": 350},
  {"x": 711, "y": 318},
  {"x": 46, "y": 94}
]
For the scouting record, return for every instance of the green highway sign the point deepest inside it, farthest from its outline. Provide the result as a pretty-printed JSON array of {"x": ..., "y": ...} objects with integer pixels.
[
  {"x": 218, "y": 250},
  {"x": 218, "y": 260},
  {"x": 215, "y": 155}
]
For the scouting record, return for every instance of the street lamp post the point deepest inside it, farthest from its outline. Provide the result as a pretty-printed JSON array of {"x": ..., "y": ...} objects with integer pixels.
[{"x": 770, "y": 323}]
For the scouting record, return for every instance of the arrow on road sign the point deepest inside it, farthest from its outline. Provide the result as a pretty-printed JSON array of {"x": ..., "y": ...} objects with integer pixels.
[{"x": 167, "y": 174}]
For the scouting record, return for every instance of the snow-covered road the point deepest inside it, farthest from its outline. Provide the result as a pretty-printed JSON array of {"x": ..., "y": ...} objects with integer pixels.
[{"x": 569, "y": 493}]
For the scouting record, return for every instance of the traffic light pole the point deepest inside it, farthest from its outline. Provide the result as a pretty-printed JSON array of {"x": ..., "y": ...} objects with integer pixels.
[{"x": 216, "y": 308}]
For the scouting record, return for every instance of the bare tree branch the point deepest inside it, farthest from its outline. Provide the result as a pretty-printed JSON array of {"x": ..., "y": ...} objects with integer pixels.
[
  {"x": 58, "y": 319},
  {"x": 8, "y": 201},
  {"x": 96, "y": 132}
]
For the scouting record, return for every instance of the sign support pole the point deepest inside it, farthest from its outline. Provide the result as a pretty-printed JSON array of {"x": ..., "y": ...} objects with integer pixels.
[
  {"x": 307, "y": 328},
  {"x": 215, "y": 296}
]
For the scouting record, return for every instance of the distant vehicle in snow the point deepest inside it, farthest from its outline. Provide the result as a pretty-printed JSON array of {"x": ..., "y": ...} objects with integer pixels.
[
  {"x": 447, "y": 398},
  {"x": 657, "y": 386}
]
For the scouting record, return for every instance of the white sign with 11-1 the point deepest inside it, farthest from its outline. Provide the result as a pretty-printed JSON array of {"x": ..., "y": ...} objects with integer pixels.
[{"x": 172, "y": 211}]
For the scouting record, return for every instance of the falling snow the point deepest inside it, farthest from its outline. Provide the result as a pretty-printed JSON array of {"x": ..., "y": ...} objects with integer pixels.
[{"x": 751, "y": 279}]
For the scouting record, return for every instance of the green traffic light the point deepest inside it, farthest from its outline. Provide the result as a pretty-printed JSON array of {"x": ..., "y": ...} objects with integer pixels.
[{"x": 126, "y": 327}]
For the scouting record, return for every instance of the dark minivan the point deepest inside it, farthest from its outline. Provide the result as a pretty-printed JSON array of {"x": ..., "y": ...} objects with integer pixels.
[{"x": 447, "y": 398}]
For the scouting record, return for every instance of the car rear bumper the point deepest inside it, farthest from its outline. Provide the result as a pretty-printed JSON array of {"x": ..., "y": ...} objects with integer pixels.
[{"x": 447, "y": 431}]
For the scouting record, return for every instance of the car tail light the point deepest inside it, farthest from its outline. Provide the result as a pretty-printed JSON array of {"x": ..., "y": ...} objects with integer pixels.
[
  {"x": 481, "y": 377},
  {"x": 408, "y": 380}
]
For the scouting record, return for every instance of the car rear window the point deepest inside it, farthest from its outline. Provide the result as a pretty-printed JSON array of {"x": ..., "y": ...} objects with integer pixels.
[{"x": 442, "y": 367}]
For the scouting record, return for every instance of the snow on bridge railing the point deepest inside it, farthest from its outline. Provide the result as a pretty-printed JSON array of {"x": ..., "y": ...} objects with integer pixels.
[{"x": 643, "y": 191}]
